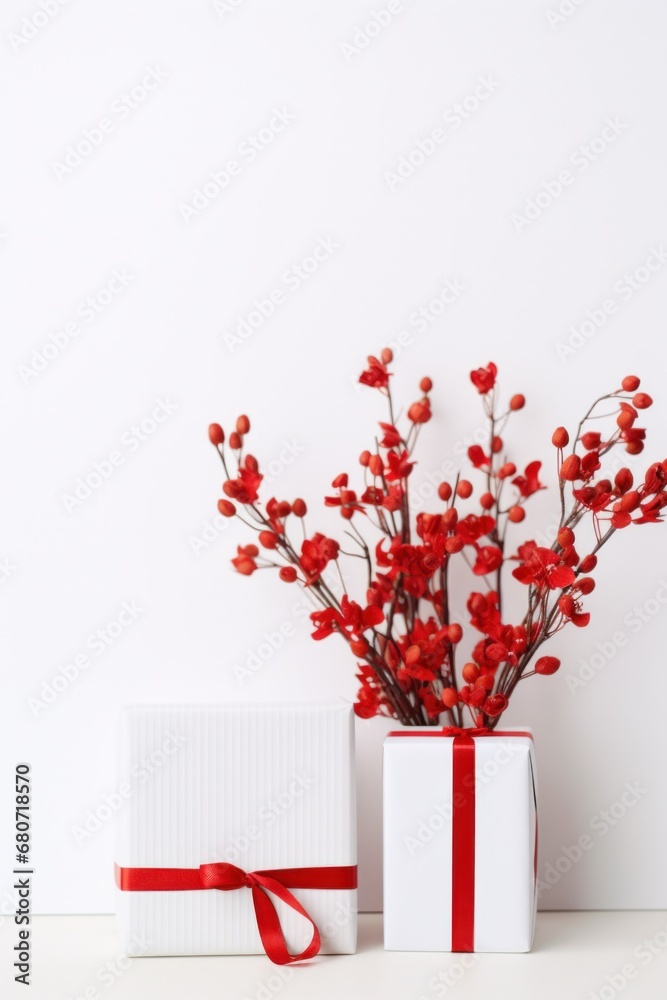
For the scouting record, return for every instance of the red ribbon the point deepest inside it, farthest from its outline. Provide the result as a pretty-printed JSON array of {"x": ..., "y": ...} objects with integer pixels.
[
  {"x": 463, "y": 826},
  {"x": 221, "y": 875}
]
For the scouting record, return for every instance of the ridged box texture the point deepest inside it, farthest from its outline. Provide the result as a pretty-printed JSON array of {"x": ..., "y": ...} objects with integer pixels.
[{"x": 258, "y": 786}]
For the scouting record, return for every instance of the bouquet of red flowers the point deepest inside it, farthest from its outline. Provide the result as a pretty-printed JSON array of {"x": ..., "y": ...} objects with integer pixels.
[{"x": 403, "y": 631}]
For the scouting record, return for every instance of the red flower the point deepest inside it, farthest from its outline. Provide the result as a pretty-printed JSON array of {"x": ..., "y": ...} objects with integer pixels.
[
  {"x": 347, "y": 501},
  {"x": 495, "y": 705},
  {"x": 529, "y": 483},
  {"x": 376, "y": 375},
  {"x": 542, "y": 567},
  {"x": 244, "y": 562},
  {"x": 652, "y": 510},
  {"x": 484, "y": 614},
  {"x": 477, "y": 456},
  {"x": 471, "y": 528},
  {"x": 391, "y": 437},
  {"x": 245, "y": 487},
  {"x": 571, "y": 609},
  {"x": 370, "y": 699},
  {"x": 398, "y": 466},
  {"x": 316, "y": 553},
  {"x": 484, "y": 379},
  {"x": 351, "y": 620},
  {"x": 489, "y": 558}
]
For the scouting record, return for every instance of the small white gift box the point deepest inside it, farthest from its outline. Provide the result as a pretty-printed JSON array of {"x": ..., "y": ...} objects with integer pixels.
[
  {"x": 238, "y": 835},
  {"x": 460, "y": 841}
]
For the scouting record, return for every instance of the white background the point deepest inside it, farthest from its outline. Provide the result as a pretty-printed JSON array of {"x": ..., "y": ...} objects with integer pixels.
[{"x": 149, "y": 533}]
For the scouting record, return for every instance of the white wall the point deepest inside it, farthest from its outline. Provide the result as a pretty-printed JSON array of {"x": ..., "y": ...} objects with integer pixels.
[{"x": 324, "y": 177}]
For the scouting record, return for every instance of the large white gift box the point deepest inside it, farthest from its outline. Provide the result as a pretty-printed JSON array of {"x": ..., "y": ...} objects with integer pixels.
[
  {"x": 238, "y": 830},
  {"x": 460, "y": 840}
]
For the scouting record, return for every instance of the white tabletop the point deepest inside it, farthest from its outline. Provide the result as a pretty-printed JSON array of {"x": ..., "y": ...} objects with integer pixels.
[{"x": 573, "y": 957}]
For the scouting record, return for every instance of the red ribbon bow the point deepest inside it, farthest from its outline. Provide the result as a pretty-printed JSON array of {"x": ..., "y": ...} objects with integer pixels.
[{"x": 224, "y": 876}]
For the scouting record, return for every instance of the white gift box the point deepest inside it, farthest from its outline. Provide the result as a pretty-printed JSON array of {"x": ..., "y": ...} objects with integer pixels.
[
  {"x": 459, "y": 845},
  {"x": 254, "y": 786}
]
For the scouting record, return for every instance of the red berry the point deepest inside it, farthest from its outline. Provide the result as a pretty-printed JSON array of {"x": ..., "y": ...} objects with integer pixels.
[
  {"x": 625, "y": 419},
  {"x": 565, "y": 537},
  {"x": 268, "y": 539},
  {"x": 634, "y": 447},
  {"x": 387, "y": 356},
  {"x": 449, "y": 518},
  {"x": 623, "y": 480},
  {"x": 359, "y": 647},
  {"x": 420, "y": 413},
  {"x": 508, "y": 469},
  {"x": 642, "y": 401},
  {"x": 444, "y": 491},
  {"x": 449, "y": 697},
  {"x": 470, "y": 673},
  {"x": 375, "y": 465},
  {"x": 288, "y": 574},
  {"x": 283, "y": 508},
  {"x": 365, "y": 458},
  {"x": 560, "y": 438},
  {"x": 496, "y": 444},
  {"x": 588, "y": 563},
  {"x": 586, "y": 584},
  {"x": 591, "y": 440},
  {"x": 547, "y": 665},
  {"x": 630, "y": 383},
  {"x": 226, "y": 508},
  {"x": 242, "y": 425},
  {"x": 516, "y": 514},
  {"x": 299, "y": 508},
  {"x": 245, "y": 566},
  {"x": 629, "y": 501},
  {"x": 454, "y": 632},
  {"x": 426, "y": 384},
  {"x": 464, "y": 489},
  {"x": 216, "y": 435},
  {"x": 487, "y": 501},
  {"x": 517, "y": 402},
  {"x": 571, "y": 468},
  {"x": 234, "y": 441}
]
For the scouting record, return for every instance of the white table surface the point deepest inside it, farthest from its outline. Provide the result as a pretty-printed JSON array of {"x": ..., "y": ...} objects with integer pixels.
[{"x": 573, "y": 955}]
